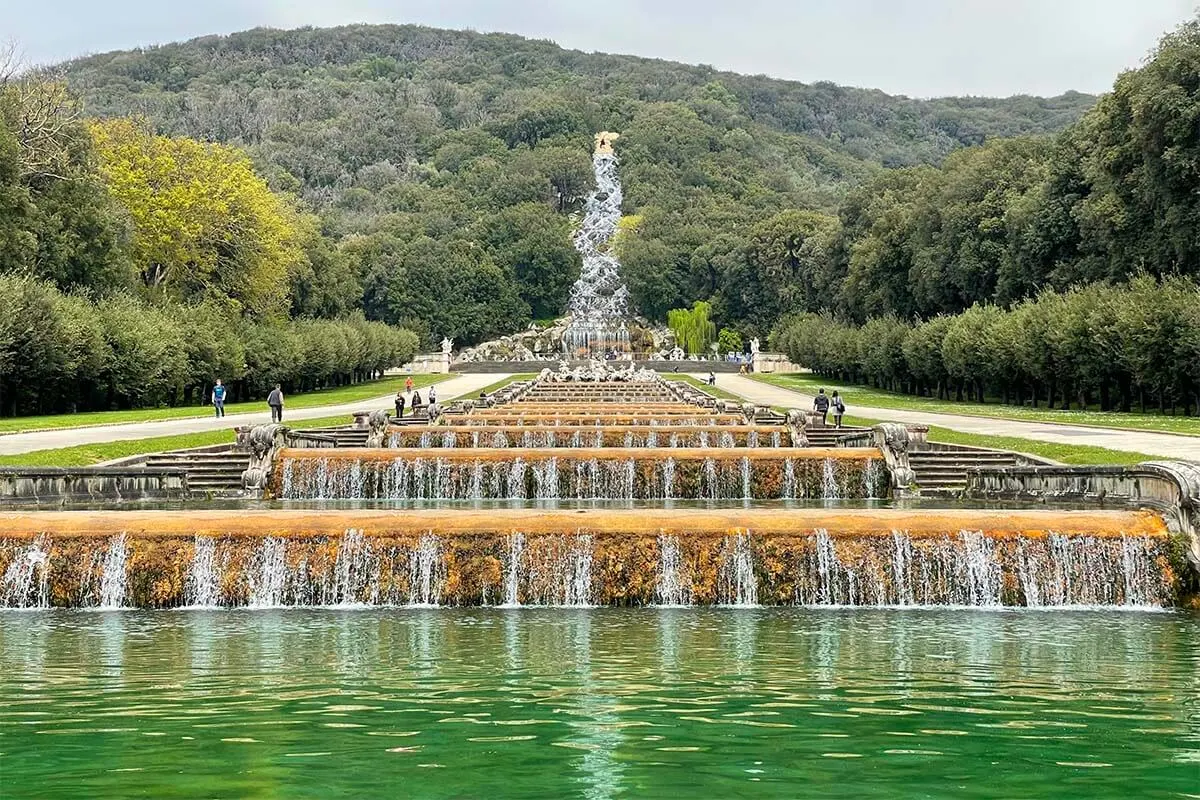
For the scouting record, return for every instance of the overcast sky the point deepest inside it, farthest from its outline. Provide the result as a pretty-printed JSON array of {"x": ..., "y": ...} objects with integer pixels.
[{"x": 916, "y": 47}]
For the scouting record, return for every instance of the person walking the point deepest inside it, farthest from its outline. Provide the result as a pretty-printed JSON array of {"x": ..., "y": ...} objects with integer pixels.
[
  {"x": 432, "y": 395},
  {"x": 416, "y": 403},
  {"x": 218, "y": 398},
  {"x": 399, "y": 404},
  {"x": 275, "y": 401},
  {"x": 839, "y": 408},
  {"x": 712, "y": 378},
  {"x": 408, "y": 384},
  {"x": 821, "y": 406}
]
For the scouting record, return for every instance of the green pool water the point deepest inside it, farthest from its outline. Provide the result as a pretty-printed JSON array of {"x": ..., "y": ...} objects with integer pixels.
[{"x": 701, "y": 703}]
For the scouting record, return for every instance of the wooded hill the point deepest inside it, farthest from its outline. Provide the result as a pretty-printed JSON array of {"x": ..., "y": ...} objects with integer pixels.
[{"x": 445, "y": 165}]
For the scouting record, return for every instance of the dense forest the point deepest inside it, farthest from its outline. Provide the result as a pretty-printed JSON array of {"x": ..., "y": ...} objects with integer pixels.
[
  {"x": 135, "y": 269},
  {"x": 1100, "y": 225},
  {"x": 447, "y": 167},
  {"x": 432, "y": 179}
]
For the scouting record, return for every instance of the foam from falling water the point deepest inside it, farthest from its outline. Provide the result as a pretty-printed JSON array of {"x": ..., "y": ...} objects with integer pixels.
[
  {"x": 737, "y": 584},
  {"x": 674, "y": 585},
  {"x": 202, "y": 588},
  {"x": 26, "y": 582},
  {"x": 113, "y": 583}
]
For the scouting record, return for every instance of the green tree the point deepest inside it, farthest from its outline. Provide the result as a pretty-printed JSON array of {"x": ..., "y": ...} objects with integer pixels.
[
  {"x": 204, "y": 225},
  {"x": 693, "y": 330}
]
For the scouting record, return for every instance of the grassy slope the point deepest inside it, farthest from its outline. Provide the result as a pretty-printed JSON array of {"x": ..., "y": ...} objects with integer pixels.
[
  {"x": 1067, "y": 454},
  {"x": 715, "y": 391},
  {"x": 87, "y": 454},
  {"x": 1063, "y": 453},
  {"x": 325, "y": 397},
  {"x": 84, "y": 455},
  {"x": 876, "y": 398}
]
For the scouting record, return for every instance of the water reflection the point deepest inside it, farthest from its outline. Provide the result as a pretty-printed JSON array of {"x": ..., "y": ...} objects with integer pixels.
[{"x": 646, "y": 703}]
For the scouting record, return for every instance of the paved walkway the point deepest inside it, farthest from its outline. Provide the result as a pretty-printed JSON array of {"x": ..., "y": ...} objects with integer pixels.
[
  {"x": 1162, "y": 445},
  {"x": 457, "y": 386}
]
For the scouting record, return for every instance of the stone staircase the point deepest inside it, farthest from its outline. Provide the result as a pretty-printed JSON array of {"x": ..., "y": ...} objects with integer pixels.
[
  {"x": 944, "y": 471},
  {"x": 828, "y": 437},
  {"x": 347, "y": 436},
  {"x": 217, "y": 472}
]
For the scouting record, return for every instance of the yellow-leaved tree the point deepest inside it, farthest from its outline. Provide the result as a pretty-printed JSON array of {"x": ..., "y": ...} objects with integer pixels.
[{"x": 204, "y": 225}]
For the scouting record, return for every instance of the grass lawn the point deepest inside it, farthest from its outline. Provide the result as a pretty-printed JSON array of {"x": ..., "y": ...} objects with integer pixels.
[
  {"x": 324, "y": 397},
  {"x": 88, "y": 454},
  {"x": 1080, "y": 454},
  {"x": 500, "y": 384},
  {"x": 715, "y": 391},
  {"x": 864, "y": 396}
]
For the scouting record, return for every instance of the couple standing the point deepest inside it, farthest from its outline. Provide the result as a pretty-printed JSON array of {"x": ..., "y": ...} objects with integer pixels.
[
  {"x": 823, "y": 404},
  {"x": 413, "y": 399}
]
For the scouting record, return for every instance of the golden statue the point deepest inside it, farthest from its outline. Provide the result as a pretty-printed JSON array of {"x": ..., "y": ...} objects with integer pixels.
[{"x": 604, "y": 142}]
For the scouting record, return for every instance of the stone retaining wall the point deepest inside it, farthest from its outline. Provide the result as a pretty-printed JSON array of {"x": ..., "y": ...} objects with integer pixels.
[{"x": 33, "y": 485}]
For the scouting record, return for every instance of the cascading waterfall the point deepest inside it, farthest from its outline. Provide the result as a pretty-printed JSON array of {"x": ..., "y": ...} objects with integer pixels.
[
  {"x": 355, "y": 573},
  {"x": 736, "y": 581},
  {"x": 577, "y": 573},
  {"x": 268, "y": 577},
  {"x": 26, "y": 580},
  {"x": 901, "y": 568},
  {"x": 872, "y": 478},
  {"x": 980, "y": 569},
  {"x": 113, "y": 579},
  {"x": 599, "y": 303},
  {"x": 829, "y": 481},
  {"x": 203, "y": 586},
  {"x": 674, "y": 586},
  {"x": 542, "y": 567},
  {"x": 789, "y": 479},
  {"x": 512, "y": 575},
  {"x": 426, "y": 572},
  {"x": 668, "y": 478}
]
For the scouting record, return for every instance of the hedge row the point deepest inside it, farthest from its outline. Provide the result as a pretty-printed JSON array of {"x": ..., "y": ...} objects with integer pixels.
[
  {"x": 1112, "y": 345},
  {"x": 61, "y": 352}
]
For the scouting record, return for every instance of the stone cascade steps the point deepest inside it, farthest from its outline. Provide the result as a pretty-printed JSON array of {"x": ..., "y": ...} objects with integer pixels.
[
  {"x": 945, "y": 471},
  {"x": 218, "y": 473}
]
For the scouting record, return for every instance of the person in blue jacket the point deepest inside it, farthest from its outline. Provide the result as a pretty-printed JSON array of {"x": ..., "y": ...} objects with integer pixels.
[{"x": 218, "y": 398}]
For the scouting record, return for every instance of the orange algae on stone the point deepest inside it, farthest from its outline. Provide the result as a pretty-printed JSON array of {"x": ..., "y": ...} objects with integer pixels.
[{"x": 297, "y": 523}]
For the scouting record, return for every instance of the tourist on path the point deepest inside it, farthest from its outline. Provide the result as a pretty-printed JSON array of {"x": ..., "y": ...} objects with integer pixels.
[
  {"x": 275, "y": 401},
  {"x": 839, "y": 408},
  {"x": 432, "y": 395},
  {"x": 218, "y": 398},
  {"x": 408, "y": 384},
  {"x": 821, "y": 406},
  {"x": 416, "y": 403},
  {"x": 399, "y": 404},
  {"x": 712, "y": 378}
]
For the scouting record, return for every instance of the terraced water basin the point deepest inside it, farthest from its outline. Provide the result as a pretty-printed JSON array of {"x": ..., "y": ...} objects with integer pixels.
[{"x": 599, "y": 703}]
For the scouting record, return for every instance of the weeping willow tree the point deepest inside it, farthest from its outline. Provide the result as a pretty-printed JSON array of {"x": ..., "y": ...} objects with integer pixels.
[{"x": 692, "y": 328}]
